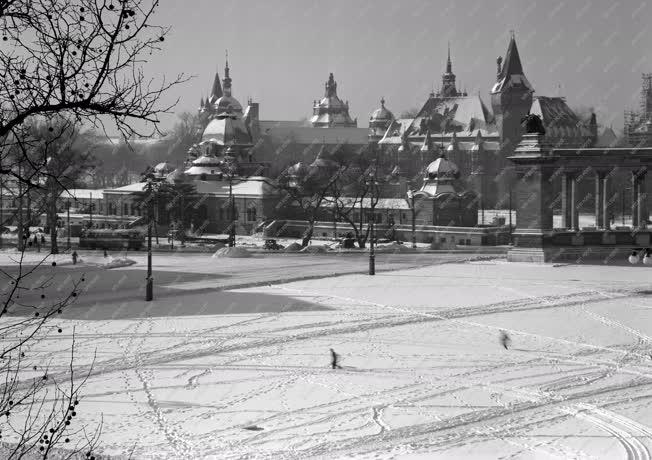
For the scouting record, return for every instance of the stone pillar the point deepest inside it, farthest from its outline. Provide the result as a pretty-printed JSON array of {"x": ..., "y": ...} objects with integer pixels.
[
  {"x": 534, "y": 199},
  {"x": 565, "y": 201},
  {"x": 599, "y": 200},
  {"x": 574, "y": 212},
  {"x": 635, "y": 199},
  {"x": 641, "y": 205},
  {"x": 606, "y": 221}
]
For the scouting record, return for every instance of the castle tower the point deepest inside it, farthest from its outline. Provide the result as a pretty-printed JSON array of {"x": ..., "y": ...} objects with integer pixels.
[
  {"x": 448, "y": 88},
  {"x": 379, "y": 121},
  {"x": 511, "y": 98},
  {"x": 331, "y": 111}
]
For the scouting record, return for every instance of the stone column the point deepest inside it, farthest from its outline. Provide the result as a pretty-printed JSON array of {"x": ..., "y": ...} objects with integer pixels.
[
  {"x": 566, "y": 221},
  {"x": 574, "y": 213},
  {"x": 599, "y": 200},
  {"x": 635, "y": 199},
  {"x": 606, "y": 222},
  {"x": 641, "y": 205}
]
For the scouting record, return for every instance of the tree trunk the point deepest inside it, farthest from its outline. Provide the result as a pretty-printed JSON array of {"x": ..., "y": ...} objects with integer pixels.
[
  {"x": 307, "y": 236},
  {"x": 54, "y": 248}
]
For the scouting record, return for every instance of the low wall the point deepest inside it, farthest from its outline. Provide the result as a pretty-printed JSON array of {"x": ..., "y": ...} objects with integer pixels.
[{"x": 440, "y": 237}]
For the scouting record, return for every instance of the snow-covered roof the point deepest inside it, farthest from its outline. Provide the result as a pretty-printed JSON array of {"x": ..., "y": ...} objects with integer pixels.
[
  {"x": 255, "y": 187},
  {"x": 131, "y": 188},
  {"x": 83, "y": 193},
  {"x": 227, "y": 131}
]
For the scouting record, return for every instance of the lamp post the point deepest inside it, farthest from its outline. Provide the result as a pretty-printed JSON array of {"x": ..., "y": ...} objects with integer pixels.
[
  {"x": 372, "y": 182},
  {"x": 149, "y": 289},
  {"x": 68, "y": 223},
  {"x": 229, "y": 171},
  {"x": 410, "y": 194},
  {"x": 91, "y": 210}
]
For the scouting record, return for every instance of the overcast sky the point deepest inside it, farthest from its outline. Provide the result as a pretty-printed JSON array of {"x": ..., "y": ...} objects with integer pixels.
[{"x": 281, "y": 51}]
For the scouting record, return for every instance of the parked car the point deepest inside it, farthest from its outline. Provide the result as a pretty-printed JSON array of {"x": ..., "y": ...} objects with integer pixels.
[{"x": 272, "y": 244}]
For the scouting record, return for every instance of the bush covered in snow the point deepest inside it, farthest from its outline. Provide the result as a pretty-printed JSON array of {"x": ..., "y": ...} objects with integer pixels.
[
  {"x": 235, "y": 252},
  {"x": 294, "y": 247},
  {"x": 315, "y": 249},
  {"x": 117, "y": 262}
]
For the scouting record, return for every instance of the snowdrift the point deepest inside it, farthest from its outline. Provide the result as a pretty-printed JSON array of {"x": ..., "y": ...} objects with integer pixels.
[
  {"x": 315, "y": 249},
  {"x": 236, "y": 253},
  {"x": 294, "y": 247}
]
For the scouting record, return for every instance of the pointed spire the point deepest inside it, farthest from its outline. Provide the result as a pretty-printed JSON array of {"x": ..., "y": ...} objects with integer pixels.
[
  {"x": 330, "y": 86},
  {"x": 452, "y": 147},
  {"x": 448, "y": 88},
  {"x": 227, "y": 78},
  {"x": 478, "y": 146},
  {"x": 427, "y": 143},
  {"x": 382, "y": 102},
  {"x": 216, "y": 90},
  {"x": 512, "y": 64},
  {"x": 511, "y": 73}
]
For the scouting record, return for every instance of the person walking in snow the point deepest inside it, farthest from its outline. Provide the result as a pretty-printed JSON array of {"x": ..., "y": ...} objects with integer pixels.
[
  {"x": 334, "y": 358},
  {"x": 505, "y": 340}
]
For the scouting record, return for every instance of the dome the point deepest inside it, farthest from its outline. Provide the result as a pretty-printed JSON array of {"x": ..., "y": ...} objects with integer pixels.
[
  {"x": 443, "y": 169},
  {"x": 176, "y": 176},
  {"x": 163, "y": 168},
  {"x": 381, "y": 114},
  {"x": 205, "y": 160},
  {"x": 227, "y": 104}
]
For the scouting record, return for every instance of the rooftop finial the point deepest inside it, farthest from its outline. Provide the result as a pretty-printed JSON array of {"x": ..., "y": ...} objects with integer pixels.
[
  {"x": 382, "y": 102},
  {"x": 449, "y": 65},
  {"x": 512, "y": 34}
]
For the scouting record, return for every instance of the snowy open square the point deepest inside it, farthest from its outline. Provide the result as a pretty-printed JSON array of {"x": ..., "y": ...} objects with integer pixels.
[{"x": 246, "y": 373}]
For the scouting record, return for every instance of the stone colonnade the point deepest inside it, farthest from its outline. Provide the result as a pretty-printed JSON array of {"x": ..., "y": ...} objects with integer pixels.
[{"x": 570, "y": 199}]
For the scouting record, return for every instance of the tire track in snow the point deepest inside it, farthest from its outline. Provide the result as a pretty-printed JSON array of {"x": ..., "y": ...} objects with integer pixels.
[{"x": 610, "y": 422}]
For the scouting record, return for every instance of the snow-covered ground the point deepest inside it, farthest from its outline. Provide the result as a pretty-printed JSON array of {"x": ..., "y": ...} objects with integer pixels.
[{"x": 424, "y": 375}]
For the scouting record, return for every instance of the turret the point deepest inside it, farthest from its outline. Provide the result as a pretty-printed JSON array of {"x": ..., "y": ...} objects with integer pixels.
[
  {"x": 226, "y": 82},
  {"x": 511, "y": 97},
  {"x": 448, "y": 88}
]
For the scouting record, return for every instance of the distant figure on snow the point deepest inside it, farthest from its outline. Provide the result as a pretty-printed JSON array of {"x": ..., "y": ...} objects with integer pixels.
[
  {"x": 505, "y": 340},
  {"x": 334, "y": 358}
]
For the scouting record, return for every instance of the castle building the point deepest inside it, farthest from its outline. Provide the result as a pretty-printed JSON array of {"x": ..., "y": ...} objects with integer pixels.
[{"x": 458, "y": 122}]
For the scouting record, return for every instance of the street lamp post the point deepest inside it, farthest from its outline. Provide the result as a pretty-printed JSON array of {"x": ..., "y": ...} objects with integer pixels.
[
  {"x": 149, "y": 289},
  {"x": 91, "y": 210},
  {"x": 372, "y": 182},
  {"x": 68, "y": 223},
  {"x": 231, "y": 213}
]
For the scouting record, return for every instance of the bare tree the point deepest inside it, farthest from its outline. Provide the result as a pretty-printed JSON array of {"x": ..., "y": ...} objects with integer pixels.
[
  {"x": 38, "y": 406},
  {"x": 81, "y": 60}
]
